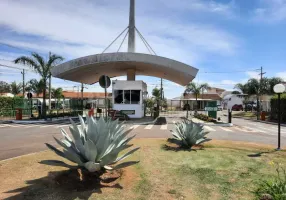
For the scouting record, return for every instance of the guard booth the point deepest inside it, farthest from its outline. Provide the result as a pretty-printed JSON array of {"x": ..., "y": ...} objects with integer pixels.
[{"x": 128, "y": 97}]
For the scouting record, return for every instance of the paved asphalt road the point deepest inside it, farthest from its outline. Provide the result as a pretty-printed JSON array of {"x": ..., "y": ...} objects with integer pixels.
[{"x": 18, "y": 139}]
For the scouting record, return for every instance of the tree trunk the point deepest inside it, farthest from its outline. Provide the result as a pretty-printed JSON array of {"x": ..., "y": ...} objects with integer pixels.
[
  {"x": 50, "y": 89},
  {"x": 258, "y": 107},
  {"x": 44, "y": 101},
  {"x": 196, "y": 106}
]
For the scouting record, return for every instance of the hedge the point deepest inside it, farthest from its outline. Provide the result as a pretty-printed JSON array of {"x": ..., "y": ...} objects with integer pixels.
[{"x": 274, "y": 108}]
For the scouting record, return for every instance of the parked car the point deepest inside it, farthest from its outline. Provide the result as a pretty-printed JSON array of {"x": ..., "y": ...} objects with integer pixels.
[
  {"x": 219, "y": 107},
  {"x": 237, "y": 107},
  {"x": 250, "y": 107}
]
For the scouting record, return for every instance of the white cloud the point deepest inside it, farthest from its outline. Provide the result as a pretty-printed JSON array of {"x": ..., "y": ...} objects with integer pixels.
[
  {"x": 224, "y": 9},
  {"x": 253, "y": 75},
  {"x": 270, "y": 11},
  {"x": 282, "y": 75},
  {"x": 76, "y": 29}
]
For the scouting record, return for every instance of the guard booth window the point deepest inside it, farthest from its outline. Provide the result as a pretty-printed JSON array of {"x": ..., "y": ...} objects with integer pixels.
[
  {"x": 127, "y": 96},
  {"x": 118, "y": 96}
]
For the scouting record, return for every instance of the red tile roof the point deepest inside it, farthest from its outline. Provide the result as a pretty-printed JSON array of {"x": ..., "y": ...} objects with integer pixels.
[
  {"x": 204, "y": 96},
  {"x": 86, "y": 95}
]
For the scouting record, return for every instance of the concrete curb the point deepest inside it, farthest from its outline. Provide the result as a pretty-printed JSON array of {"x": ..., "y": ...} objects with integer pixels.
[
  {"x": 29, "y": 154},
  {"x": 265, "y": 122},
  {"x": 40, "y": 121},
  {"x": 212, "y": 124}
]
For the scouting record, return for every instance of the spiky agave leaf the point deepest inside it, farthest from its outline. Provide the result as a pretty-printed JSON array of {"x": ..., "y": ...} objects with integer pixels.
[
  {"x": 189, "y": 133},
  {"x": 96, "y": 144}
]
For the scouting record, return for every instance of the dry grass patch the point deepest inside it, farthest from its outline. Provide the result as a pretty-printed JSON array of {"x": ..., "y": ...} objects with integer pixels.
[{"x": 221, "y": 170}]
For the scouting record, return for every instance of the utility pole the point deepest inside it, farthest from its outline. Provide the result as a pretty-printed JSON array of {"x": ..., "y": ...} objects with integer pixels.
[
  {"x": 50, "y": 85},
  {"x": 82, "y": 95},
  {"x": 23, "y": 73},
  {"x": 161, "y": 93},
  {"x": 260, "y": 88}
]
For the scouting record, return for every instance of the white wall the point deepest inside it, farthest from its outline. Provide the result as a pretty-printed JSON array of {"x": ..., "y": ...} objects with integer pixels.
[{"x": 130, "y": 85}]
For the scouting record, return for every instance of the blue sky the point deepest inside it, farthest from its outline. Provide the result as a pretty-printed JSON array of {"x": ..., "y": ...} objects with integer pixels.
[{"x": 230, "y": 36}]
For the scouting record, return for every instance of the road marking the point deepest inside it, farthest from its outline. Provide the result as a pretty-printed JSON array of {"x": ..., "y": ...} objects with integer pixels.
[
  {"x": 28, "y": 126},
  {"x": 164, "y": 127},
  {"x": 5, "y": 125},
  {"x": 255, "y": 130},
  {"x": 149, "y": 126},
  {"x": 135, "y": 126},
  {"x": 226, "y": 129},
  {"x": 47, "y": 126},
  {"x": 240, "y": 129},
  {"x": 8, "y": 125},
  {"x": 266, "y": 129},
  {"x": 209, "y": 128},
  {"x": 63, "y": 126}
]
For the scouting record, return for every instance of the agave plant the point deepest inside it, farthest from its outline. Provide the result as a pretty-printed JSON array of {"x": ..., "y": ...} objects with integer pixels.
[
  {"x": 189, "y": 133},
  {"x": 95, "y": 145}
]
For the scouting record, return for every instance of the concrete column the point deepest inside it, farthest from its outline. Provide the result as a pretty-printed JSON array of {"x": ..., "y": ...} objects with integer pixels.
[
  {"x": 131, "y": 74},
  {"x": 131, "y": 36}
]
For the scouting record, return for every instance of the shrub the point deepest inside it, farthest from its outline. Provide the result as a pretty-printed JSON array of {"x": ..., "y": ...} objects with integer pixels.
[
  {"x": 204, "y": 117},
  {"x": 274, "y": 189},
  {"x": 189, "y": 133},
  {"x": 274, "y": 108},
  {"x": 95, "y": 145}
]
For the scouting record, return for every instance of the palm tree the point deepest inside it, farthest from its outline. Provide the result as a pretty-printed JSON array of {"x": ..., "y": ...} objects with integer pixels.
[
  {"x": 37, "y": 87},
  {"x": 196, "y": 89},
  {"x": 42, "y": 67},
  {"x": 57, "y": 93},
  {"x": 156, "y": 93},
  {"x": 16, "y": 88},
  {"x": 242, "y": 87}
]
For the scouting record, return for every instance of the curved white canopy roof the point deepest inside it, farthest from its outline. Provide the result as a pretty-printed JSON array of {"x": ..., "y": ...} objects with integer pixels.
[{"x": 88, "y": 69}]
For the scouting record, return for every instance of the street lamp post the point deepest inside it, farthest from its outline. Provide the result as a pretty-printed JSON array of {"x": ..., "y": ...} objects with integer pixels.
[{"x": 279, "y": 89}]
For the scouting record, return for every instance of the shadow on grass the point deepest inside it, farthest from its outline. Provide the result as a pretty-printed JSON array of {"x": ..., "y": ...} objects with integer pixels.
[
  {"x": 176, "y": 145},
  {"x": 68, "y": 184},
  {"x": 255, "y": 155}
]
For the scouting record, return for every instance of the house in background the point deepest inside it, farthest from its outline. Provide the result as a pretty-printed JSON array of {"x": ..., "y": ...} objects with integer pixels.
[
  {"x": 6, "y": 95},
  {"x": 211, "y": 94},
  {"x": 73, "y": 99}
]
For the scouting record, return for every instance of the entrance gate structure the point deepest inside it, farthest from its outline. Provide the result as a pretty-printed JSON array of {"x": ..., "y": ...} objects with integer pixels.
[{"x": 90, "y": 68}]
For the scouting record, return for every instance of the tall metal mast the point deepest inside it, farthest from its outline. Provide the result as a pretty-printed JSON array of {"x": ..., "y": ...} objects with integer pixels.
[
  {"x": 131, "y": 74},
  {"x": 131, "y": 36}
]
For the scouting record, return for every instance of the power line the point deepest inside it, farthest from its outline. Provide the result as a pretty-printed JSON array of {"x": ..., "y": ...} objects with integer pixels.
[
  {"x": 16, "y": 68},
  {"x": 12, "y": 46},
  {"x": 224, "y": 72}
]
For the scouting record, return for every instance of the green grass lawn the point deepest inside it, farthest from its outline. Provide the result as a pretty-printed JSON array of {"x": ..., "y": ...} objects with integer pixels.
[{"x": 222, "y": 170}]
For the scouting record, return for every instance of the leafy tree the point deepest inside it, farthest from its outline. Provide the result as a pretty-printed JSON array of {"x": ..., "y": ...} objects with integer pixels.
[
  {"x": 236, "y": 92},
  {"x": 4, "y": 87},
  {"x": 16, "y": 88},
  {"x": 196, "y": 89},
  {"x": 242, "y": 87},
  {"x": 272, "y": 82},
  {"x": 42, "y": 67},
  {"x": 57, "y": 93}
]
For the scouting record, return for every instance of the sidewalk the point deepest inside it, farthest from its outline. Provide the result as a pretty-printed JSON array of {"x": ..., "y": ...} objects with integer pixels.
[
  {"x": 223, "y": 124},
  {"x": 261, "y": 121}
]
